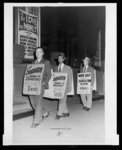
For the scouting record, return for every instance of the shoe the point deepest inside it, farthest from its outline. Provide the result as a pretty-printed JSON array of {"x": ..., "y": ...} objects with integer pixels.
[
  {"x": 84, "y": 107},
  {"x": 57, "y": 117},
  {"x": 66, "y": 114},
  {"x": 34, "y": 125},
  {"x": 87, "y": 109},
  {"x": 45, "y": 115}
]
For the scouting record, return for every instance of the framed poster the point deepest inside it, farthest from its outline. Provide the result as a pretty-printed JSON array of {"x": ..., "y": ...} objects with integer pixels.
[{"x": 28, "y": 30}]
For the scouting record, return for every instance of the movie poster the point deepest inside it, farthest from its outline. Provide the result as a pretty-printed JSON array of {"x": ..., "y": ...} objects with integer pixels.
[{"x": 28, "y": 29}]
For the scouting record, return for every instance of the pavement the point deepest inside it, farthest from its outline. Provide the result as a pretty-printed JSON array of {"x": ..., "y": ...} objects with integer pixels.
[{"x": 81, "y": 128}]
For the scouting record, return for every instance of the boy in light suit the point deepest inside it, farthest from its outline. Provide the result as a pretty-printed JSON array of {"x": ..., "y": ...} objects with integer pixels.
[
  {"x": 62, "y": 109},
  {"x": 87, "y": 98}
]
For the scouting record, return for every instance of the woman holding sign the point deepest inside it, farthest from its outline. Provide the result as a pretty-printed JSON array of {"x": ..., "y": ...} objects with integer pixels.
[
  {"x": 37, "y": 100},
  {"x": 62, "y": 109},
  {"x": 87, "y": 98}
]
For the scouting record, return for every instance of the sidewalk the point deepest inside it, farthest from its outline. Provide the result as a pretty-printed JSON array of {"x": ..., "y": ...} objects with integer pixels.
[
  {"x": 80, "y": 128},
  {"x": 25, "y": 110}
]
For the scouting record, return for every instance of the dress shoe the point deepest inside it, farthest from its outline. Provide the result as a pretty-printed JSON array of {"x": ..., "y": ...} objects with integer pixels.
[
  {"x": 45, "y": 115},
  {"x": 87, "y": 109},
  {"x": 66, "y": 114},
  {"x": 57, "y": 117},
  {"x": 34, "y": 125},
  {"x": 84, "y": 107}
]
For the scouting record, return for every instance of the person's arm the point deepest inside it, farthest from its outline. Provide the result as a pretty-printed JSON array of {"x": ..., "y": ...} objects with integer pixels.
[
  {"x": 47, "y": 73},
  {"x": 70, "y": 76},
  {"x": 93, "y": 76}
]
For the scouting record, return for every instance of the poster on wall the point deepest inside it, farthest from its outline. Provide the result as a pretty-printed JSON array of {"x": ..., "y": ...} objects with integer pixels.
[
  {"x": 33, "y": 79},
  {"x": 28, "y": 29},
  {"x": 83, "y": 83}
]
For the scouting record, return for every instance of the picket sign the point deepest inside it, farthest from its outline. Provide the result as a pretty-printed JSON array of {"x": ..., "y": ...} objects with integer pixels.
[
  {"x": 84, "y": 83},
  {"x": 59, "y": 84},
  {"x": 33, "y": 79},
  {"x": 49, "y": 93}
]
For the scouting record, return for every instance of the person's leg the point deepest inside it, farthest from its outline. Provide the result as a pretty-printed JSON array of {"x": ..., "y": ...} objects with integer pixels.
[
  {"x": 32, "y": 101},
  {"x": 65, "y": 110},
  {"x": 45, "y": 111},
  {"x": 38, "y": 109},
  {"x": 60, "y": 107},
  {"x": 33, "y": 104},
  {"x": 83, "y": 98},
  {"x": 89, "y": 100}
]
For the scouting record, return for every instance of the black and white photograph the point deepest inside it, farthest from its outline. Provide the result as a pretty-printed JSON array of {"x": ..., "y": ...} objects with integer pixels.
[{"x": 60, "y": 74}]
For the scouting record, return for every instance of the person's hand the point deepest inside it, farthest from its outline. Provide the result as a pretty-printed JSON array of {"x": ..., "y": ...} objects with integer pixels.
[{"x": 46, "y": 85}]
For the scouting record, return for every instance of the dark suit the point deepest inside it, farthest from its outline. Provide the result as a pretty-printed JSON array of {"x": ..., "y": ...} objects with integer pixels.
[
  {"x": 62, "y": 102},
  {"x": 87, "y": 98},
  {"x": 37, "y": 100}
]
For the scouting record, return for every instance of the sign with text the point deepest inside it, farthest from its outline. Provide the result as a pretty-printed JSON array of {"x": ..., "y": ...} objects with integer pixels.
[
  {"x": 59, "y": 84},
  {"x": 84, "y": 83},
  {"x": 28, "y": 30},
  {"x": 49, "y": 93},
  {"x": 33, "y": 79}
]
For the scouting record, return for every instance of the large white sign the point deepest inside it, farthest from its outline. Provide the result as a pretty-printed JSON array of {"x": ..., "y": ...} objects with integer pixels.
[
  {"x": 59, "y": 84},
  {"x": 28, "y": 29},
  {"x": 84, "y": 83},
  {"x": 49, "y": 93},
  {"x": 33, "y": 79}
]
